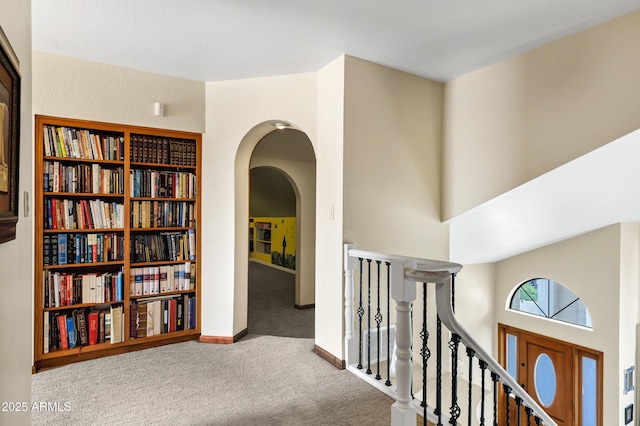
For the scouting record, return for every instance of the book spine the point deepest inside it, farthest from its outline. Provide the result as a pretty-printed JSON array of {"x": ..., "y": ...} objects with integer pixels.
[
  {"x": 83, "y": 335},
  {"x": 62, "y": 330}
]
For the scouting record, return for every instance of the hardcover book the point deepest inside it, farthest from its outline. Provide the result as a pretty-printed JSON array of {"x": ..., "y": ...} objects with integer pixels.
[
  {"x": 81, "y": 322},
  {"x": 62, "y": 249},
  {"x": 150, "y": 318},
  {"x": 142, "y": 320},
  {"x": 71, "y": 332},
  {"x": 93, "y": 327},
  {"x": 134, "y": 320},
  {"x": 62, "y": 330}
]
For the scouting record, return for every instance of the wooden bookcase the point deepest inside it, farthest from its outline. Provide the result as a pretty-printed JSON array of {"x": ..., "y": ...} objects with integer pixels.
[{"x": 116, "y": 208}]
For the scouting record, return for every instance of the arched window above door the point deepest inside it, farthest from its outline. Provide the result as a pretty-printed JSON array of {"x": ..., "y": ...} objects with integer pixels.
[{"x": 550, "y": 299}]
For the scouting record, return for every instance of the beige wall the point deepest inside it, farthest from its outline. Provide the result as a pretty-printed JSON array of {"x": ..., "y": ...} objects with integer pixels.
[
  {"x": 628, "y": 310},
  {"x": 513, "y": 121},
  {"x": 392, "y": 151},
  {"x": 475, "y": 288},
  {"x": 591, "y": 266},
  {"x": 16, "y": 260},
  {"x": 73, "y": 88},
  {"x": 329, "y": 208},
  {"x": 238, "y": 115}
]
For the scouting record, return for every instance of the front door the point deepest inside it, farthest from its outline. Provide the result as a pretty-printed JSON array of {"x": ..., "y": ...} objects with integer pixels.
[
  {"x": 546, "y": 372},
  {"x": 549, "y": 370}
]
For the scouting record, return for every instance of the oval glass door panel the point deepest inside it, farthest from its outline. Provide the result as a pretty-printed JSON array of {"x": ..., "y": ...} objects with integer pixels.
[{"x": 545, "y": 380}]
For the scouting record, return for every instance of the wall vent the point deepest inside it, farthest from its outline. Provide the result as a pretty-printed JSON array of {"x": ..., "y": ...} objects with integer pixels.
[{"x": 373, "y": 332}]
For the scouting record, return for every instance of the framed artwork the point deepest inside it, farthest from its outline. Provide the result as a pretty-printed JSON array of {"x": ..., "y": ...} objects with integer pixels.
[{"x": 9, "y": 138}]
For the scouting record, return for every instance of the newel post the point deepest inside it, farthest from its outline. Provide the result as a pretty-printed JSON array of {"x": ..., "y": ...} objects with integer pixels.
[
  {"x": 349, "y": 341},
  {"x": 404, "y": 293}
]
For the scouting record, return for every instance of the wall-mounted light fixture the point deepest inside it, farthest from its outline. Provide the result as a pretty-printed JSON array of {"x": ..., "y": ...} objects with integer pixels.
[{"x": 158, "y": 109}]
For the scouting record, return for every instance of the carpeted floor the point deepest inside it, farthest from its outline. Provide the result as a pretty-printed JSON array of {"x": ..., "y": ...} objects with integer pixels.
[
  {"x": 263, "y": 379},
  {"x": 272, "y": 304}
]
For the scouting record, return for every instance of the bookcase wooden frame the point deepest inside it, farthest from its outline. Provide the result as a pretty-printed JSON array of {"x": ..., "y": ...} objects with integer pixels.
[{"x": 80, "y": 353}]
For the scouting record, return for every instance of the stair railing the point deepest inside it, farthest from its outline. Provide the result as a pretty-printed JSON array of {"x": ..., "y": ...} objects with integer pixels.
[{"x": 376, "y": 281}]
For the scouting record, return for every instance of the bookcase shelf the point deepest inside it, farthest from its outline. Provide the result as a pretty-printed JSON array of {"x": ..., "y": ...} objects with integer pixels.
[
  {"x": 161, "y": 262},
  {"x": 83, "y": 265},
  {"x": 178, "y": 167},
  {"x": 76, "y": 231},
  {"x": 83, "y": 160},
  {"x": 81, "y": 305},
  {"x": 81, "y": 195},
  {"x": 89, "y": 173},
  {"x": 154, "y": 296}
]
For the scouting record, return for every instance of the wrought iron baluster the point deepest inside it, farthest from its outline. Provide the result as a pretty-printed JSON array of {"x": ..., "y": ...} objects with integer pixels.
[
  {"x": 369, "y": 316},
  {"x": 483, "y": 369},
  {"x": 507, "y": 398},
  {"x": 538, "y": 420},
  {"x": 470, "y": 354},
  {"x": 378, "y": 319},
  {"x": 518, "y": 407},
  {"x": 528, "y": 412},
  {"x": 424, "y": 352},
  {"x": 454, "y": 411},
  {"x": 495, "y": 378},
  {"x": 360, "y": 315},
  {"x": 389, "y": 357},
  {"x": 438, "y": 410}
]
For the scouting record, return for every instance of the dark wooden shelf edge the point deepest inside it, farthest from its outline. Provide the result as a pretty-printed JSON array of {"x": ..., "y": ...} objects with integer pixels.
[
  {"x": 83, "y": 160},
  {"x": 162, "y": 165},
  {"x": 120, "y": 348},
  {"x": 83, "y": 265},
  {"x": 161, "y": 295},
  {"x": 160, "y": 263}
]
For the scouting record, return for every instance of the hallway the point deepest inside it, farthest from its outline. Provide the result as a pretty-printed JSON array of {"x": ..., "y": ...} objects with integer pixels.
[{"x": 271, "y": 304}]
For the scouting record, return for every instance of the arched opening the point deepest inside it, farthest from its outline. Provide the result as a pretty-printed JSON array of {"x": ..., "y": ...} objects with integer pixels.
[
  {"x": 550, "y": 299},
  {"x": 287, "y": 153},
  {"x": 273, "y": 248}
]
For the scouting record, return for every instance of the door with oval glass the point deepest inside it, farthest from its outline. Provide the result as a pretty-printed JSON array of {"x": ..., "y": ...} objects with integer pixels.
[
  {"x": 562, "y": 378},
  {"x": 547, "y": 375}
]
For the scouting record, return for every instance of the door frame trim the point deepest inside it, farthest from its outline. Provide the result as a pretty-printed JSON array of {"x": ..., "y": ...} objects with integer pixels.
[{"x": 578, "y": 353}]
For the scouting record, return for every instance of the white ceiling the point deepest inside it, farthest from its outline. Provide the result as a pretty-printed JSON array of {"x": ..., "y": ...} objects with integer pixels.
[
  {"x": 593, "y": 191},
  {"x": 210, "y": 40}
]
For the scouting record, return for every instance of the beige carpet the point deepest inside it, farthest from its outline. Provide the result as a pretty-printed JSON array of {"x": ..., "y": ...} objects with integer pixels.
[{"x": 261, "y": 380}]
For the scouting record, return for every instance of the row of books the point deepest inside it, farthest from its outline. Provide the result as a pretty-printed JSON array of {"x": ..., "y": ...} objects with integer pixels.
[
  {"x": 63, "y": 249},
  {"x": 68, "y": 289},
  {"x": 161, "y": 214},
  {"x": 153, "y": 280},
  {"x": 82, "y": 214},
  {"x": 164, "y": 246},
  {"x": 162, "y": 315},
  {"x": 67, "y": 142},
  {"x": 82, "y": 327},
  {"x": 162, "y": 150},
  {"x": 82, "y": 178},
  {"x": 162, "y": 184}
]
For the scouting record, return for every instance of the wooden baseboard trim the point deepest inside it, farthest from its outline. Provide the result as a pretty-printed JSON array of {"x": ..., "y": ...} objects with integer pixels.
[
  {"x": 218, "y": 340},
  {"x": 303, "y": 307},
  {"x": 224, "y": 340},
  {"x": 335, "y": 361},
  {"x": 240, "y": 335}
]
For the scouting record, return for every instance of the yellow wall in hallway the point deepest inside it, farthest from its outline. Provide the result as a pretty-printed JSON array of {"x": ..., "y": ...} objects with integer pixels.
[{"x": 269, "y": 235}]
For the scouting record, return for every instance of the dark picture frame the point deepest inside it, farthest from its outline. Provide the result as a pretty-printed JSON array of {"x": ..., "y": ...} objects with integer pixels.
[{"x": 9, "y": 138}]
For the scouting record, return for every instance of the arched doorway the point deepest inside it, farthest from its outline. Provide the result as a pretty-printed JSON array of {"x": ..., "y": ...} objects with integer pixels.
[
  {"x": 273, "y": 248},
  {"x": 289, "y": 151}
]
